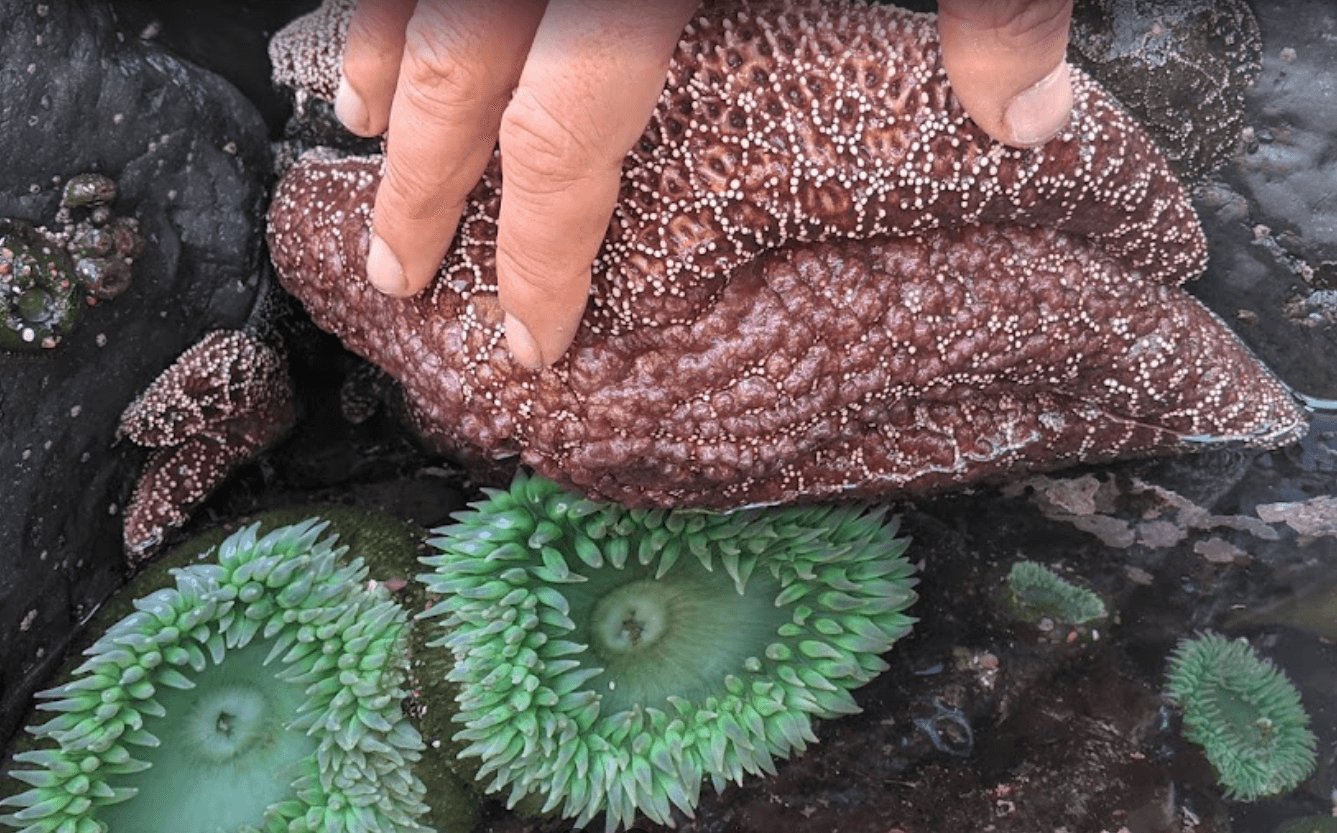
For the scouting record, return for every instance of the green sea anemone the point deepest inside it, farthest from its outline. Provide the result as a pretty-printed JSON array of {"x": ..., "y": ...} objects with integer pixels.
[
  {"x": 610, "y": 658},
  {"x": 260, "y": 692},
  {"x": 1038, "y": 592},
  {"x": 1244, "y": 713}
]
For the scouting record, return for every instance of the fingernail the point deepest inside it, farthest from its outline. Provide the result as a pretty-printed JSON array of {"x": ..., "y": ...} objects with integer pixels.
[
  {"x": 384, "y": 270},
  {"x": 524, "y": 349},
  {"x": 350, "y": 109},
  {"x": 1037, "y": 113}
]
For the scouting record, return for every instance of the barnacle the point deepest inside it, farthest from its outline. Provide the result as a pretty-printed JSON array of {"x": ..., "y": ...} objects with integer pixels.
[
  {"x": 1244, "y": 713},
  {"x": 261, "y": 691},
  {"x": 610, "y": 659},
  {"x": 1037, "y": 591}
]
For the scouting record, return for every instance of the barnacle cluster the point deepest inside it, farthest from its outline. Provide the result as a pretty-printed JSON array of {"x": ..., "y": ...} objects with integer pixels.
[
  {"x": 610, "y": 659},
  {"x": 261, "y": 691},
  {"x": 1244, "y": 713},
  {"x": 102, "y": 245}
]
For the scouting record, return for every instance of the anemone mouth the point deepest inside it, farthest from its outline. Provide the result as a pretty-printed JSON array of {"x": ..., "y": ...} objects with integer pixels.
[
  {"x": 231, "y": 721},
  {"x": 260, "y": 693},
  {"x": 225, "y": 755},
  {"x": 611, "y": 659},
  {"x": 677, "y": 635},
  {"x": 1245, "y": 714}
]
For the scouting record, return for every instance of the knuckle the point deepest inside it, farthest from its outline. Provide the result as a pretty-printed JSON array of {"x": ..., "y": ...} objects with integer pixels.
[
  {"x": 523, "y": 276},
  {"x": 414, "y": 195},
  {"x": 529, "y": 279},
  {"x": 541, "y": 146},
  {"x": 1031, "y": 24},
  {"x": 1014, "y": 23},
  {"x": 436, "y": 71}
]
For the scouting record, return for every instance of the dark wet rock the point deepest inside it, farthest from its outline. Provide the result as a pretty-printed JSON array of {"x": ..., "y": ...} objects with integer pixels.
[
  {"x": 1270, "y": 220},
  {"x": 187, "y": 153},
  {"x": 1181, "y": 67},
  {"x": 228, "y": 37}
]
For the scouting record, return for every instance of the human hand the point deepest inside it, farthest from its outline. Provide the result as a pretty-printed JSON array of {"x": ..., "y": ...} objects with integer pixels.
[
  {"x": 1005, "y": 61},
  {"x": 565, "y": 87}
]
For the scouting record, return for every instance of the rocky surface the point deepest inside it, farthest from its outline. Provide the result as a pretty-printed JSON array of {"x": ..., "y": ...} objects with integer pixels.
[
  {"x": 1183, "y": 67},
  {"x": 82, "y": 94}
]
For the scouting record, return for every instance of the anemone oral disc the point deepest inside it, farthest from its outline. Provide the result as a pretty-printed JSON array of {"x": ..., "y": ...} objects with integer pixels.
[
  {"x": 675, "y": 635},
  {"x": 228, "y": 760}
]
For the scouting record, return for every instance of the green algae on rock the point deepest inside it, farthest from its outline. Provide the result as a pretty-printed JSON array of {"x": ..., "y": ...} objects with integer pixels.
[
  {"x": 610, "y": 659},
  {"x": 260, "y": 692},
  {"x": 1310, "y": 824},
  {"x": 1245, "y": 714}
]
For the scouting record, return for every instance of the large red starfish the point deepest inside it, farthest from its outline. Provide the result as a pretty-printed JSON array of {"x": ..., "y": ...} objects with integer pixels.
[{"x": 821, "y": 280}]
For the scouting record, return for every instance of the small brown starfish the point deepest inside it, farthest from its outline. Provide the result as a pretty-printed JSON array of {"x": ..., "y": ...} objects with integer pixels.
[{"x": 218, "y": 405}]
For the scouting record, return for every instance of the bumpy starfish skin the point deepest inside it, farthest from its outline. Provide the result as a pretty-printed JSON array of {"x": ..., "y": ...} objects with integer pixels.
[
  {"x": 218, "y": 405},
  {"x": 821, "y": 279}
]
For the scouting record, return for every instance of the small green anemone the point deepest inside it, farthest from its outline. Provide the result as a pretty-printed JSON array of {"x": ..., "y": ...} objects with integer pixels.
[
  {"x": 261, "y": 692},
  {"x": 1038, "y": 591},
  {"x": 1244, "y": 713},
  {"x": 609, "y": 659}
]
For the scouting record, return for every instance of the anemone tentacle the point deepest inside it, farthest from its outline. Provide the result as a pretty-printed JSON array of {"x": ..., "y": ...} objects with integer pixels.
[
  {"x": 260, "y": 692},
  {"x": 610, "y": 659}
]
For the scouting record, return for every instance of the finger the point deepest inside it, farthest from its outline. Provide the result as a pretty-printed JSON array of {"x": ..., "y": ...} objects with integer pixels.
[
  {"x": 372, "y": 52},
  {"x": 1005, "y": 62},
  {"x": 461, "y": 60},
  {"x": 593, "y": 77}
]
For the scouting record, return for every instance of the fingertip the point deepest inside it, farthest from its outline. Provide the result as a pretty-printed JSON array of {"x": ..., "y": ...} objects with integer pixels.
[
  {"x": 1005, "y": 62},
  {"x": 351, "y": 109},
  {"x": 520, "y": 341},
  {"x": 1038, "y": 113},
  {"x": 552, "y": 305},
  {"x": 384, "y": 271}
]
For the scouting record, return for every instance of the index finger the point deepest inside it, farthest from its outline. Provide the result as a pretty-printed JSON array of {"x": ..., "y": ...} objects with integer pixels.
[{"x": 461, "y": 60}]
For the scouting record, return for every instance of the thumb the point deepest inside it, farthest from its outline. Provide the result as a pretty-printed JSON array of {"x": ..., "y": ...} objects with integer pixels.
[{"x": 1005, "y": 62}]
